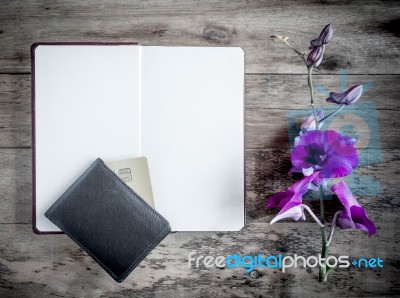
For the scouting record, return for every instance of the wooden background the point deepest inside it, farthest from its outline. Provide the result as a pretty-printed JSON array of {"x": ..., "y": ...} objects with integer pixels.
[{"x": 365, "y": 45}]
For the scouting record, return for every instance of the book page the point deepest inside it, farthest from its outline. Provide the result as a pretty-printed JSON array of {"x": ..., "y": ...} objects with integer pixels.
[
  {"x": 193, "y": 135},
  {"x": 86, "y": 106}
]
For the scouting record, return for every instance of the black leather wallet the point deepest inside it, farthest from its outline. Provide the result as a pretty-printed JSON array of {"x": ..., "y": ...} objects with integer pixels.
[{"x": 108, "y": 220}]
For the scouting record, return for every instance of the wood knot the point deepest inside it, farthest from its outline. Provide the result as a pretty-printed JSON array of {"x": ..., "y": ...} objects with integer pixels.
[
  {"x": 335, "y": 63},
  {"x": 255, "y": 274},
  {"x": 159, "y": 32},
  {"x": 218, "y": 34},
  {"x": 393, "y": 26}
]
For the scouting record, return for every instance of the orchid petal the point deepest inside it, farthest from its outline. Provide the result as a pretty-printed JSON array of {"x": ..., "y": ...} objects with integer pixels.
[
  {"x": 299, "y": 157},
  {"x": 336, "y": 166},
  {"x": 309, "y": 171},
  {"x": 314, "y": 58},
  {"x": 291, "y": 200},
  {"x": 328, "y": 152},
  {"x": 348, "y": 97},
  {"x": 296, "y": 213},
  {"x": 324, "y": 37},
  {"x": 309, "y": 123},
  {"x": 296, "y": 141},
  {"x": 279, "y": 199},
  {"x": 353, "y": 215}
]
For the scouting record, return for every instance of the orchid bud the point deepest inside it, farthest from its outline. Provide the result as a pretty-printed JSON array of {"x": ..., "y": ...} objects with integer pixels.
[
  {"x": 309, "y": 123},
  {"x": 348, "y": 97},
  {"x": 314, "y": 58},
  {"x": 323, "y": 38}
]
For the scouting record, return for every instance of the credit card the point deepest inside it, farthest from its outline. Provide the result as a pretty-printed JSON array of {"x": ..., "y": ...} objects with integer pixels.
[{"x": 135, "y": 173}]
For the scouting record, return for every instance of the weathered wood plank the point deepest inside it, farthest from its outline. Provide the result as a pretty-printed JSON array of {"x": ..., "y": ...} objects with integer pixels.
[
  {"x": 277, "y": 104},
  {"x": 41, "y": 266},
  {"x": 53, "y": 265},
  {"x": 15, "y": 111},
  {"x": 266, "y": 173},
  {"x": 269, "y": 101},
  {"x": 15, "y": 186},
  {"x": 368, "y": 45},
  {"x": 289, "y": 92},
  {"x": 374, "y": 184},
  {"x": 267, "y": 128}
]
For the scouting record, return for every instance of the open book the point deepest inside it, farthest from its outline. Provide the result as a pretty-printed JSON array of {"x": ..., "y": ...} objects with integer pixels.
[{"x": 181, "y": 107}]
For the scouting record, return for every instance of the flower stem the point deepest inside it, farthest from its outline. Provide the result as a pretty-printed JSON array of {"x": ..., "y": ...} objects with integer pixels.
[
  {"x": 324, "y": 269},
  {"x": 323, "y": 272},
  {"x": 310, "y": 85},
  {"x": 305, "y": 207},
  {"x": 333, "y": 113},
  {"x": 300, "y": 54},
  {"x": 333, "y": 227}
]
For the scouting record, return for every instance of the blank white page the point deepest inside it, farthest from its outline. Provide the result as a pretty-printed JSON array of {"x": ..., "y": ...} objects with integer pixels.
[
  {"x": 86, "y": 106},
  {"x": 192, "y": 135}
]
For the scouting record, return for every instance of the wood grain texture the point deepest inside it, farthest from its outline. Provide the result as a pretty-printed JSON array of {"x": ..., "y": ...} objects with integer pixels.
[
  {"x": 365, "y": 49},
  {"x": 365, "y": 40},
  {"x": 268, "y": 102},
  {"x": 375, "y": 185},
  {"x": 15, "y": 111},
  {"x": 15, "y": 185},
  {"x": 33, "y": 266},
  {"x": 266, "y": 173},
  {"x": 290, "y": 92},
  {"x": 267, "y": 128}
]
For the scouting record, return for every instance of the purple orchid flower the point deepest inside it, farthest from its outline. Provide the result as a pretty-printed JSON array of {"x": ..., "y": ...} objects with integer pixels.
[
  {"x": 324, "y": 37},
  {"x": 348, "y": 97},
  {"x": 327, "y": 151},
  {"x": 321, "y": 156},
  {"x": 353, "y": 215},
  {"x": 314, "y": 58},
  {"x": 290, "y": 201},
  {"x": 309, "y": 123}
]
